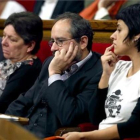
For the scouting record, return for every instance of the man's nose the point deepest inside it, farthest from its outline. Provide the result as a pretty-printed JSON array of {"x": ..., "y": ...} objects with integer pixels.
[{"x": 54, "y": 47}]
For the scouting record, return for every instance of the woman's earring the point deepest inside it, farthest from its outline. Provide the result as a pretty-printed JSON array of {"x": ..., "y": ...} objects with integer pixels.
[{"x": 135, "y": 40}]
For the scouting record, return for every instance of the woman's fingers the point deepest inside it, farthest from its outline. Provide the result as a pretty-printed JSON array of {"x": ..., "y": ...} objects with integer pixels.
[
  {"x": 110, "y": 56},
  {"x": 108, "y": 49}
]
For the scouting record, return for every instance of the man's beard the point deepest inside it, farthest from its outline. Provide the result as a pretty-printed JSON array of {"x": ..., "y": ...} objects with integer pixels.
[
  {"x": 53, "y": 53},
  {"x": 78, "y": 56}
]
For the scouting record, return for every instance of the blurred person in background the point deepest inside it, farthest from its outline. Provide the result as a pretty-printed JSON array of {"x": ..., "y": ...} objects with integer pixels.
[
  {"x": 50, "y": 9},
  {"x": 104, "y": 9},
  {"x": 7, "y": 7}
]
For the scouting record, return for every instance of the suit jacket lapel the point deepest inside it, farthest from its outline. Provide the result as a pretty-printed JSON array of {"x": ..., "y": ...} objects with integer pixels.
[
  {"x": 72, "y": 80},
  {"x": 38, "y": 5},
  {"x": 91, "y": 62},
  {"x": 59, "y": 8}
]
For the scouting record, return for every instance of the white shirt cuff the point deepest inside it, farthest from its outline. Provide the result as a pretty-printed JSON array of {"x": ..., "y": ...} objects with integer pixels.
[{"x": 54, "y": 78}]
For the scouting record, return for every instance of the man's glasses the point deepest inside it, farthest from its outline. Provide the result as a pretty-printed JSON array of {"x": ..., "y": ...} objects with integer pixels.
[{"x": 59, "y": 42}]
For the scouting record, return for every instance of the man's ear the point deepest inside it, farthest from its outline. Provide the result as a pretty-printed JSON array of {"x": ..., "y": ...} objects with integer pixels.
[
  {"x": 84, "y": 42},
  {"x": 31, "y": 46}
]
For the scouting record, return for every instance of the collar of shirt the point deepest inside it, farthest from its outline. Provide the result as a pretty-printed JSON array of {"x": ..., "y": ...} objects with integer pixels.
[{"x": 75, "y": 67}]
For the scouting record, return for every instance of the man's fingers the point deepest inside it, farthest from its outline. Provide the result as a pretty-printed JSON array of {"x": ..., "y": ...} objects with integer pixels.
[
  {"x": 72, "y": 52},
  {"x": 73, "y": 55},
  {"x": 57, "y": 53}
]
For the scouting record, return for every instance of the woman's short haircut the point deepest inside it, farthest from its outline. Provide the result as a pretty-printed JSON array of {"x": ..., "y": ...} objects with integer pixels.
[
  {"x": 28, "y": 26},
  {"x": 131, "y": 16},
  {"x": 79, "y": 27}
]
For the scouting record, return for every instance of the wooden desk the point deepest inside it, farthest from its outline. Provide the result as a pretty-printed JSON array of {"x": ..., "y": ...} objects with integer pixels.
[
  {"x": 12, "y": 131},
  {"x": 20, "y": 120},
  {"x": 102, "y": 29}
]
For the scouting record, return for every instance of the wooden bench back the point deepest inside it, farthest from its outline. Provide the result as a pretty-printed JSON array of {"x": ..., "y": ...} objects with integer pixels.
[
  {"x": 102, "y": 32},
  {"x": 102, "y": 29}
]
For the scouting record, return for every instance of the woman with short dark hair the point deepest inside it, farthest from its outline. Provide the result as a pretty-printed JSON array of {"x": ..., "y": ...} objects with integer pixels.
[{"x": 21, "y": 39}]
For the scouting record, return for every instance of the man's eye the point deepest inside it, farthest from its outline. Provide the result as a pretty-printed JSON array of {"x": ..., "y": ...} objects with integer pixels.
[
  {"x": 61, "y": 41},
  {"x": 52, "y": 41}
]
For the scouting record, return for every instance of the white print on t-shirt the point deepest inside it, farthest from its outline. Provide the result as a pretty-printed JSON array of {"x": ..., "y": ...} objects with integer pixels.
[{"x": 113, "y": 103}]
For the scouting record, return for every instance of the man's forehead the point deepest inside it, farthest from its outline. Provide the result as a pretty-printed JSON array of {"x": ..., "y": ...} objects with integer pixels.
[
  {"x": 62, "y": 23},
  {"x": 61, "y": 30}
]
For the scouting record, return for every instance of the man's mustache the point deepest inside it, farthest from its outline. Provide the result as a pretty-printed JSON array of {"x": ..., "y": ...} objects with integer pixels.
[{"x": 53, "y": 53}]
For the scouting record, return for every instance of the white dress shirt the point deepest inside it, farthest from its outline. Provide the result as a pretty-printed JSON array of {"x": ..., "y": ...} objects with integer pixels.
[{"x": 47, "y": 9}]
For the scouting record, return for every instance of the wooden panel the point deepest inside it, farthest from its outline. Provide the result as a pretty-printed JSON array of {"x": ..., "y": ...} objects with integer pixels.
[
  {"x": 21, "y": 120},
  {"x": 12, "y": 131},
  {"x": 102, "y": 29},
  {"x": 103, "y": 25},
  {"x": 102, "y": 37}
]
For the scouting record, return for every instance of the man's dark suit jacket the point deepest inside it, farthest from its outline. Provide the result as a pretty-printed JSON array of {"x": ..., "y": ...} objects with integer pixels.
[
  {"x": 61, "y": 103},
  {"x": 75, "y": 6}
]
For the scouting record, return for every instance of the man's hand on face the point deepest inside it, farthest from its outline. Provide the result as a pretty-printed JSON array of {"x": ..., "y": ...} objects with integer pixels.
[{"x": 63, "y": 59}]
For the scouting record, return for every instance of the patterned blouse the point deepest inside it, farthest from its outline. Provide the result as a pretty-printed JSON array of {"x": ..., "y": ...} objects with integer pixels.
[{"x": 7, "y": 68}]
